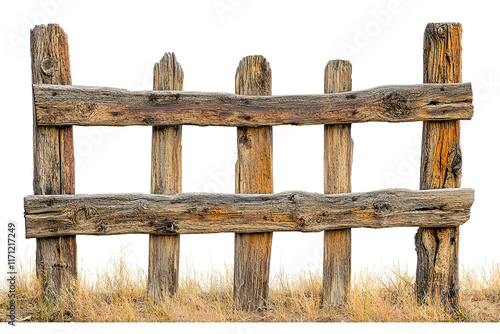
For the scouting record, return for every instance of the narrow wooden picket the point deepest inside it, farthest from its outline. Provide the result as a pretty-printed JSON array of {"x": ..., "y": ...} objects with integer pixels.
[
  {"x": 337, "y": 175},
  {"x": 166, "y": 178},
  {"x": 254, "y": 175}
]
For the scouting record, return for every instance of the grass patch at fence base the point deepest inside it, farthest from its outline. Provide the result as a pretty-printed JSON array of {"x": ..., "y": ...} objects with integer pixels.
[{"x": 119, "y": 295}]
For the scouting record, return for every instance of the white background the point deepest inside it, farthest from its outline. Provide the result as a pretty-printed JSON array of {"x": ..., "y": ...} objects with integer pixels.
[{"x": 116, "y": 43}]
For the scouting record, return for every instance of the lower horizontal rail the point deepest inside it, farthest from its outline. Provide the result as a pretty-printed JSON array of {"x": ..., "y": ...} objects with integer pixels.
[{"x": 184, "y": 213}]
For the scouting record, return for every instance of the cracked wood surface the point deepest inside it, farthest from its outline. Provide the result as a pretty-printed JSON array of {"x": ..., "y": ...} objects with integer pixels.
[
  {"x": 107, "y": 214},
  {"x": 91, "y": 106},
  {"x": 337, "y": 180},
  {"x": 53, "y": 160},
  {"x": 253, "y": 175},
  {"x": 441, "y": 167},
  {"x": 166, "y": 178}
]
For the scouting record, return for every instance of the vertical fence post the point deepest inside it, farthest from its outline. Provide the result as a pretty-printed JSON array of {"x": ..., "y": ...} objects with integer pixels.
[
  {"x": 441, "y": 167},
  {"x": 254, "y": 175},
  {"x": 53, "y": 157},
  {"x": 337, "y": 179},
  {"x": 166, "y": 178}
]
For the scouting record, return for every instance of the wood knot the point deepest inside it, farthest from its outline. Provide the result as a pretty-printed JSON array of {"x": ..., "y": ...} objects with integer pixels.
[
  {"x": 302, "y": 223},
  {"x": 83, "y": 214},
  {"x": 396, "y": 103},
  {"x": 101, "y": 228},
  {"x": 170, "y": 226},
  {"x": 143, "y": 205},
  {"x": 80, "y": 216},
  {"x": 87, "y": 110},
  {"x": 441, "y": 30},
  {"x": 382, "y": 207},
  {"x": 148, "y": 120},
  {"x": 456, "y": 162},
  {"x": 47, "y": 66},
  {"x": 244, "y": 140}
]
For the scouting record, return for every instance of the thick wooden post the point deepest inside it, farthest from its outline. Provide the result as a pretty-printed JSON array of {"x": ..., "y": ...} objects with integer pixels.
[
  {"x": 53, "y": 157},
  {"x": 337, "y": 174},
  {"x": 166, "y": 178},
  {"x": 254, "y": 175},
  {"x": 441, "y": 167}
]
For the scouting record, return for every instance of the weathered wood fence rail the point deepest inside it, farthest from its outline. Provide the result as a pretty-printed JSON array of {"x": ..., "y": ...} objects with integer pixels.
[
  {"x": 76, "y": 105},
  {"x": 54, "y": 215}
]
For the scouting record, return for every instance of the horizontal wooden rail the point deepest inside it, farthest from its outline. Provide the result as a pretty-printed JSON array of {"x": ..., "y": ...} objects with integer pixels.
[
  {"x": 77, "y": 105},
  {"x": 61, "y": 215}
]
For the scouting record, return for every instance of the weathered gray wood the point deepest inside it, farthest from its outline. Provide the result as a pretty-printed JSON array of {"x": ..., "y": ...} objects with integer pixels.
[
  {"x": 53, "y": 157},
  {"x": 107, "y": 214},
  {"x": 337, "y": 175},
  {"x": 441, "y": 167},
  {"x": 166, "y": 178},
  {"x": 254, "y": 175},
  {"x": 77, "y": 105}
]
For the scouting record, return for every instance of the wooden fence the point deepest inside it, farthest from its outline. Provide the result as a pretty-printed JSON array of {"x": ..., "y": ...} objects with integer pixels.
[{"x": 54, "y": 215}]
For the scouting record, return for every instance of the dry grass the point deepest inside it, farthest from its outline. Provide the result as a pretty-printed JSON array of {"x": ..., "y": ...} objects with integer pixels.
[{"x": 120, "y": 295}]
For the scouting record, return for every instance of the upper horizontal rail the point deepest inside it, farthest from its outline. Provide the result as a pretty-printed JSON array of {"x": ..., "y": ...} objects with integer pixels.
[
  {"x": 78, "y": 105},
  {"x": 62, "y": 215}
]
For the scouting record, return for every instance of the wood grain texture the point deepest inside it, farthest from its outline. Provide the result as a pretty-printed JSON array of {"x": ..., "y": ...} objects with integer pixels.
[
  {"x": 78, "y": 105},
  {"x": 108, "y": 214},
  {"x": 166, "y": 178},
  {"x": 337, "y": 175},
  {"x": 254, "y": 175},
  {"x": 441, "y": 167},
  {"x": 53, "y": 157}
]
